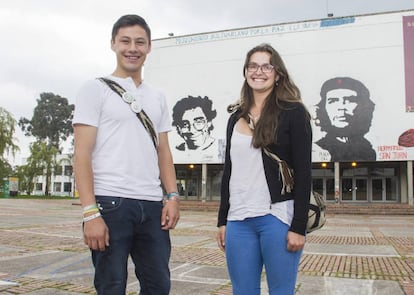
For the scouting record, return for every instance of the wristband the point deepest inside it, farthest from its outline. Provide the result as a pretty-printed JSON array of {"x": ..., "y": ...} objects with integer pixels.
[
  {"x": 89, "y": 207},
  {"x": 89, "y": 218},
  {"x": 172, "y": 194},
  {"x": 90, "y": 211}
]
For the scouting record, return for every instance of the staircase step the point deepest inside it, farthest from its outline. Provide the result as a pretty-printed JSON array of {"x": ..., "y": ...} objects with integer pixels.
[{"x": 341, "y": 208}]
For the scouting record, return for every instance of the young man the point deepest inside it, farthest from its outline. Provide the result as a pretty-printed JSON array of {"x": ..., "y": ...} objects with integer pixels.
[{"x": 119, "y": 170}]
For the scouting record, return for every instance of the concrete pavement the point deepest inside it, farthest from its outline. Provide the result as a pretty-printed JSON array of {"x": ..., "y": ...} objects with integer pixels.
[{"x": 42, "y": 252}]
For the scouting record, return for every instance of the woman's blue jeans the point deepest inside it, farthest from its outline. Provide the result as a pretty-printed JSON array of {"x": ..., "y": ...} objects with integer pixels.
[
  {"x": 134, "y": 229},
  {"x": 255, "y": 242}
]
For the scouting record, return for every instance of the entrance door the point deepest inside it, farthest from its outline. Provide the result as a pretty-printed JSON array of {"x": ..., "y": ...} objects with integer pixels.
[
  {"x": 317, "y": 185},
  {"x": 384, "y": 189},
  {"x": 325, "y": 186},
  {"x": 378, "y": 189},
  {"x": 354, "y": 189},
  {"x": 391, "y": 189},
  {"x": 347, "y": 189},
  {"x": 361, "y": 189},
  {"x": 188, "y": 181}
]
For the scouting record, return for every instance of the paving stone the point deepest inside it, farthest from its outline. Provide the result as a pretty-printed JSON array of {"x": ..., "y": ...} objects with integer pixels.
[
  {"x": 49, "y": 291},
  {"x": 336, "y": 286},
  {"x": 42, "y": 252},
  {"x": 363, "y": 250}
]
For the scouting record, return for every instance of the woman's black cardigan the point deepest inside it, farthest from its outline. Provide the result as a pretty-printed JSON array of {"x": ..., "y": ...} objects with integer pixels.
[{"x": 294, "y": 145}]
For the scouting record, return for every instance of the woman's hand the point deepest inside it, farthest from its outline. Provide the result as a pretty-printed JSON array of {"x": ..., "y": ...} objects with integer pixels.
[
  {"x": 295, "y": 242},
  {"x": 221, "y": 235}
]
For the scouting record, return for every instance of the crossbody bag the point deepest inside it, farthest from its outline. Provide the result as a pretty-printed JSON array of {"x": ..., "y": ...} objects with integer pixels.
[
  {"x": 317, "y": 206},
  {"x": 129, "y": 98}
]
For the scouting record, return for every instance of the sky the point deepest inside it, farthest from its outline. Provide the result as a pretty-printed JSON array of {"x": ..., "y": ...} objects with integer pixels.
[{"x": 55, "y": 46}]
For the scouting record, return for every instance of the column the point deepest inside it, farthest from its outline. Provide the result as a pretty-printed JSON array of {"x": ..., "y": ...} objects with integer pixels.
[
  {"x": 203, "y": 182},
  {"x": 337, "y": 190}
]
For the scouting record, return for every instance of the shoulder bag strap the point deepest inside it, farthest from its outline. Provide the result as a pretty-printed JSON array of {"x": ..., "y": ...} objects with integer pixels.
[
  {"x": 285, "y": 172},
  {"x": 142, "y": 116}
]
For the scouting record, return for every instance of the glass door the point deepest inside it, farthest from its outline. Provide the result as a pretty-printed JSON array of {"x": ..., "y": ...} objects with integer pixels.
[
  {"x": 391, "y": 189},
  {"x": 361, "y": 189},
  {"x": 330, "y": 188},
  {"x": 317, "y": 185},
  {"x": 347, "y": 189},
  {"x": 354, "y": 189},
  {"x": 378, "y": 189},
  {"x": 384, "y": 189}
]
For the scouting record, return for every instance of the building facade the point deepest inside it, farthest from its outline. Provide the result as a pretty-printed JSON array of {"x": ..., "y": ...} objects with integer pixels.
[
  {"x": 356, "y": 76},
  {"x": 62, "y": 181}
]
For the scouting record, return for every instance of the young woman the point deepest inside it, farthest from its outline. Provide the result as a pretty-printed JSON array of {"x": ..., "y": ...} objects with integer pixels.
[{"x": 262, "y": 222}]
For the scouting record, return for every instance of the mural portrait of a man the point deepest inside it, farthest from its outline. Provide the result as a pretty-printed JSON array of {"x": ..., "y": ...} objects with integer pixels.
[
  {"x": 345, "y": 113},
  {"x": 192, "y": 117}
]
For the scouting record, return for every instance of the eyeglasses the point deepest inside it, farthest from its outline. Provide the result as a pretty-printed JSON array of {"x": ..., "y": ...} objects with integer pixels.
[
  {"x": 265, "y": 68},
  {"x": 198, "y": 124}
]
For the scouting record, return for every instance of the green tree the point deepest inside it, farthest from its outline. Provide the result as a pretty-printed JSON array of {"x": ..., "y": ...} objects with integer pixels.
[
  {"x": 7, "y": 145},
  {"x": 51, "y": 121},
  {"x": 50, "y": 125},
  {"x": 26, "y": 174},
  {"x": 40, "y": 162}
]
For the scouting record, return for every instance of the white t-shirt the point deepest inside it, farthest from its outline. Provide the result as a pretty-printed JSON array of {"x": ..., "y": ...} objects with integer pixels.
[
  {"x": 124, "y": 160},
  {"x": 249, "y": 192}
]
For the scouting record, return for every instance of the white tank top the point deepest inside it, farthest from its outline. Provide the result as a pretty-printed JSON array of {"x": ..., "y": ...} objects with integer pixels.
[{"x": 249, "y": 193}]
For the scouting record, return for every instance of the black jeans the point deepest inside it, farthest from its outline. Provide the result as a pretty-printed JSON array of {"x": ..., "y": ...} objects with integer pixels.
[{"x": 134, "y": 229}]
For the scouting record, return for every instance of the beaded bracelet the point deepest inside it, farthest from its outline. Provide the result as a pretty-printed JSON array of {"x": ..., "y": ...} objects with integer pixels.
[{"x": 89, "y": 218}]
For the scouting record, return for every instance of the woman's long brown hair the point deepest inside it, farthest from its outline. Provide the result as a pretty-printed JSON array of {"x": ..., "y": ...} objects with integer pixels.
[{"x": 284, "y": 90}]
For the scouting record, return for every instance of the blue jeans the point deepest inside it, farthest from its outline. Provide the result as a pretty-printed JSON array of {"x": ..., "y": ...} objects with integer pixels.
[
  {"x": 134, "y": 229},
  {"x": 255, "y": 242}
]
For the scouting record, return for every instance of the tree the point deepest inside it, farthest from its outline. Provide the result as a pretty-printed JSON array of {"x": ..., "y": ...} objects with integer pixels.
[
  {"x": 26, "y": 175},
  {"x": 51, "y": 121},
  {"x": 7, "y": 145},
  {"x": 42, "y": 159}
]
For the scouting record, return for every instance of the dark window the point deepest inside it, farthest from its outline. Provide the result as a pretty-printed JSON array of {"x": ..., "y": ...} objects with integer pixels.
[
  {"x": 67, "y": 187},
  {"x": 68, "y": 170},
  {"x": 39, "y": 186},
  {"x": 58, "y": 170}
]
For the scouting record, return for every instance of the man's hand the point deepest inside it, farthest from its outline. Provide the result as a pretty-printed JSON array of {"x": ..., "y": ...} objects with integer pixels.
[
  {"x": 170, "y": 215},
  {"x": 96, "y": 234}
]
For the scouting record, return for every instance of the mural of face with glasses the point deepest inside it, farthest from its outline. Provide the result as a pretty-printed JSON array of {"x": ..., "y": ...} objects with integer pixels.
[{"x": 192, "y": 117}]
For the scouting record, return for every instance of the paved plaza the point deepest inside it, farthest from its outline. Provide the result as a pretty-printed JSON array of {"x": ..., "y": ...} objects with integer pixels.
[{"x": 42, "y": 252}]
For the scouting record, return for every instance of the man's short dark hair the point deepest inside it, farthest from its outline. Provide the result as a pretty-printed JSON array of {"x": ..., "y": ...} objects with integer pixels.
[{"x": 130, "y": 20}]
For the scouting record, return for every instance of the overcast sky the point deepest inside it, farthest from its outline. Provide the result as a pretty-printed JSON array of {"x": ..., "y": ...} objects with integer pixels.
[{"x": 55, "y": 45}]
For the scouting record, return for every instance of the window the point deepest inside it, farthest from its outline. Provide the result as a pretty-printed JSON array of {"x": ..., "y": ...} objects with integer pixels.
[
  {"x": 39, "y": 186},
  {"x": 68, "y": 170},
  {"x": 67, "y": 187},
  {"x": 57, "y": 187},
  {"x": 58, "y": 170}
]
